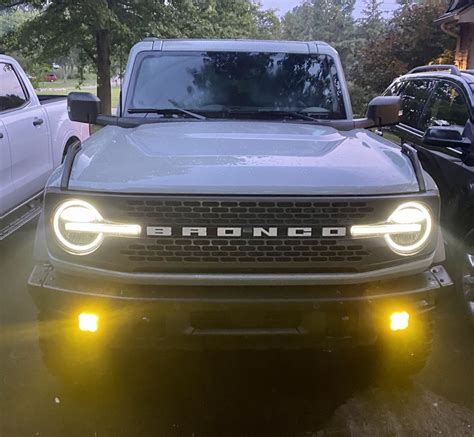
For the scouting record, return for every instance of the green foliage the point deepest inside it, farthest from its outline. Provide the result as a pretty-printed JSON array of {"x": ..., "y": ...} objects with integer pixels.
[
  {"x": 416, "y": 38},
  {"x": 409, "y": 39},
  {"x": 101, "y": 32},
  {"x": 11, "y": 21},
  {"x": 373, "y": 50},
  {"x": 324, "y": 20}
]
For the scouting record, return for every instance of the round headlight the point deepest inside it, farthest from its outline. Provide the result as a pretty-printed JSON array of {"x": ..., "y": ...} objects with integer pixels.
[
  {"x": 74, "y": 241},
  {"x": 409, "y": 243}
]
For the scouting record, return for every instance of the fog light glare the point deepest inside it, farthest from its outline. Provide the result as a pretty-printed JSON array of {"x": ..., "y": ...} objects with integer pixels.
[
  {"x": 88, "y": 322},
  {"x": 399, "y": 321}
]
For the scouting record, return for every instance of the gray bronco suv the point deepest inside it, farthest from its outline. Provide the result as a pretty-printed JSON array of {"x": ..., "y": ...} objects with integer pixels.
[{"x": 234, "y": 202}]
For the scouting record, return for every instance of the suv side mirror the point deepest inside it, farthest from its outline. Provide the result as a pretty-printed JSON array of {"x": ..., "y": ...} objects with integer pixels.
[
  {"x": 445, "y": 137},
  {"x": 384, "y": 110},
  {"x": 83, "y": 107}
]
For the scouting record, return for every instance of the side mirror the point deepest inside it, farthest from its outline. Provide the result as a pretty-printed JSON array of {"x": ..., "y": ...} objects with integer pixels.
[
  {"x": 83, "y": 107},
  {"x": 384, "y": 110},
  {"x": 445, "y": 137}
]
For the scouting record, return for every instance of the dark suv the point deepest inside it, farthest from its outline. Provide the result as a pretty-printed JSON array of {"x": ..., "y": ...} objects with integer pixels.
[{"x": 438, "y": 117}]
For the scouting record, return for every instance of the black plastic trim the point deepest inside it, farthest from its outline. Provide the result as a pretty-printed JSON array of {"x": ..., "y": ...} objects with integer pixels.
[
  {"x": 46, "y": 277},
  {"x": 71, "y": 153},
  {"x": 412, "y": 155},
  {"x": 436, "y": 67}
]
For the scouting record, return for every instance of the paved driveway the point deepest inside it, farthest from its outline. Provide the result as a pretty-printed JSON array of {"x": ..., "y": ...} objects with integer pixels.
[{"x": 224, "y": 394}]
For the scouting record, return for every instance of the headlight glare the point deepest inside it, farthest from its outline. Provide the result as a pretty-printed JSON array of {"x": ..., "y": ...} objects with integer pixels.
[
  {"x": 411, "y": 242},
  {"x": 406, "y": 231},
  {"x": 80, "y": 229}
]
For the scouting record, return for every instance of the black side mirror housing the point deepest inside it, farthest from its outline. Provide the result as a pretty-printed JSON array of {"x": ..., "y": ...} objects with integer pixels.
[
  {"x": 83, "y": 107},
  {"x": 384, "y": 110},
  {"x": 445, "y": 136}
]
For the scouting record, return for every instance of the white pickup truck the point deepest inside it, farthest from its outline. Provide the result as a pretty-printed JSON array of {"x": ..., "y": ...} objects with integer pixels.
[{"x": 35, "y": 132}]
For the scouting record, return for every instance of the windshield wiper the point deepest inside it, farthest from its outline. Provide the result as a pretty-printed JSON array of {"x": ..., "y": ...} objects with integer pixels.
[
  {"x": 294, "y": 114},
  {"x": 185, "y": 111},
  {"x": 277, "y": 112},
  {"x": 166, "y": 111}
]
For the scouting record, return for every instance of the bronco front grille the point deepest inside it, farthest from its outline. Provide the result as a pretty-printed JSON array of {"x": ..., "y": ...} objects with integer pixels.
[
  {"x": 231, "y": 213},
  {"x": 246, "y": 252},
  {"x": 246, "y": 249}
]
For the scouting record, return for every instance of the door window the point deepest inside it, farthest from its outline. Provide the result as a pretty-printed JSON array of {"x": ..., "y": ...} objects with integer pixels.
[
  {"x": 447, "y": 107},
  {"x": 394, "y": 89},
  {"x": 12, "y": 94},
  {"x": 414, "y": 97}
]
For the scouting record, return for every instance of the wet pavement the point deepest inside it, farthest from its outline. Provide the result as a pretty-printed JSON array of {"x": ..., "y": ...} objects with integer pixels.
[{"x": 225, "y": 394}]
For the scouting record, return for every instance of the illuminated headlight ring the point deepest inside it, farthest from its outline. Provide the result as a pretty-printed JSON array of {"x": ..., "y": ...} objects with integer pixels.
[
  {"x": 80, "y": 229},
  {"x": 411, "y": 213},
  {"x": 406, "y": 231}
]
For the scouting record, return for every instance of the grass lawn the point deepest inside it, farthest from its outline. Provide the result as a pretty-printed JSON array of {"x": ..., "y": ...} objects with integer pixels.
[
  {"x": 61, "y": 88},
  {"x": 70, "y": 83}
]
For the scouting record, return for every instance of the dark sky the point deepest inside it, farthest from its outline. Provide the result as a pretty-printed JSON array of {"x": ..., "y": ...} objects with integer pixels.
[{"x": 285, "y": 5}]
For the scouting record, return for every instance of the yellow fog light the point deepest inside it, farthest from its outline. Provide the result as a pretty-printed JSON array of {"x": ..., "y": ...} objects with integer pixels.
[
  {"x": 399, "y": 321},
  {"x": 88, "y": 322}
]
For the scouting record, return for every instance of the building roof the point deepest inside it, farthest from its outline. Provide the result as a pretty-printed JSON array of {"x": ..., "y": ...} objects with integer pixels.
[
  {"x": 454, "y": 9},
  {"x": 458, "y": 5}
]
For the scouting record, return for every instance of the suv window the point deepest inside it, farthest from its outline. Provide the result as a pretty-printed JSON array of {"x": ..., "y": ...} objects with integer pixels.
[
  {"x": 394, "y": 88},
  {"x": 447, "y": 107},
  {"x": 414, "y": 97},
  {"x": 12, "y": 94}
]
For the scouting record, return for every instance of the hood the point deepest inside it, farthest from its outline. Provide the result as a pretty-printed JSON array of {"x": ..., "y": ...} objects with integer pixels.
[{"x": 241, "y": 157}]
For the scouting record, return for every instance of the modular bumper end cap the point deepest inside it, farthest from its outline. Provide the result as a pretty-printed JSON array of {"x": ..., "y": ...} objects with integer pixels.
[{"x": 441, "y": 276}]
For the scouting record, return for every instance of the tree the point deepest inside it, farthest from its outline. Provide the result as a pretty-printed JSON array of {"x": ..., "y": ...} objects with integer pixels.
[
  {"x": 371, "y": 29},
  {"x": 374, "y": 49},
  {"x": 372, "y": 24},
  {"x": 391, "y": 48},
  {"x": 10, "y": 21},
  {"x": 325, "y": 20},
  {"x": 410, "y": 39},
  {"x": 415, "y": 38},
  {"x": 88, "y": 26},
  {"x": 100, "y": 29}
]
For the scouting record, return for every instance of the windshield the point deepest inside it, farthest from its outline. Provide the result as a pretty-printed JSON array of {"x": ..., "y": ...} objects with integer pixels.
[{"x": 213, "y": 82}]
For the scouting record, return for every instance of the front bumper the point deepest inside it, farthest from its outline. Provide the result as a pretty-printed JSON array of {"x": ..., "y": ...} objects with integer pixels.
[
  {"x": 234, "y": 317},
  {"x": 468, "y": 284}
]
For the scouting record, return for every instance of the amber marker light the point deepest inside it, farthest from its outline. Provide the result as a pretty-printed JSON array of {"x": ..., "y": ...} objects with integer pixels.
[
  {"x": 88, "y": 322},
  {"x": 399, "y": 320}
]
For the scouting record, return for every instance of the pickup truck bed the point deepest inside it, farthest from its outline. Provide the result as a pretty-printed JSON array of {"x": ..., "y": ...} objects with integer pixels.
[{"x": 45, "y": 99}]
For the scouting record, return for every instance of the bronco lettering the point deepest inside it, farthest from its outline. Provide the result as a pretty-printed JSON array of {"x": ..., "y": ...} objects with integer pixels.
[{"x": 236, "y": 232}]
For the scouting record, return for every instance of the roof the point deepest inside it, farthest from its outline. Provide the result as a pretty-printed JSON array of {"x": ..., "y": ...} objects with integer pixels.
[
  {"x": 441, "y": 70},
  {"x": 240, "y": 45},
  {"x": 458, "y": 5},
  {"x": 454, "y": 9},
  {"x": 466, "y": 75}
]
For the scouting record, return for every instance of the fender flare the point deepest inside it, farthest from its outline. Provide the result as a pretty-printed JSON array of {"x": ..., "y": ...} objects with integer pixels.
[{"x": 71, "y": 139}]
